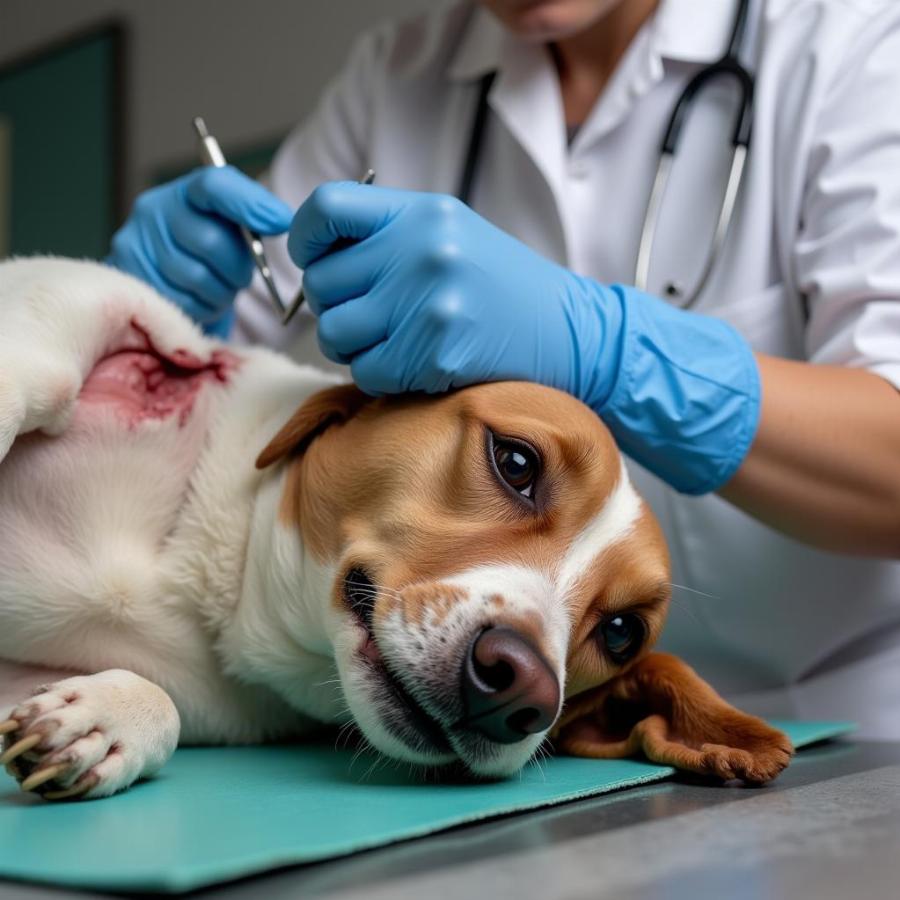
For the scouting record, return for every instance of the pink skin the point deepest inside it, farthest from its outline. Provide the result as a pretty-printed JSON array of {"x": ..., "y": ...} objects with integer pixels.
[
  {"x": 141, "y": 383},
  {"x": 543, "y": 21},
  {"x": 369, "y": 649}
]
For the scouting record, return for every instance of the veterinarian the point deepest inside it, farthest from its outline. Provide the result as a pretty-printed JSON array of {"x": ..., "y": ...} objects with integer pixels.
[{"x": 763, "y": 413}]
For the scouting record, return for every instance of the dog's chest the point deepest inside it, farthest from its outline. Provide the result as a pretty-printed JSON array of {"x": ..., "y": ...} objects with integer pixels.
[
  {"x": 86, "y": 516},
  {"x": 116, "y": 470}
]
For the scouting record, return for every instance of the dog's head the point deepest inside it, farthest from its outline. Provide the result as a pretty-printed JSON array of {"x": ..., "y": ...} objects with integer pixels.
[{"x": 490, "y": 556}]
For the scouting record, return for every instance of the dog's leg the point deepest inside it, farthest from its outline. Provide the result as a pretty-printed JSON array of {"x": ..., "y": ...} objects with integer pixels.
[
  {"x": 662, "y": 708},
  {"x": 58, "y": 318},
  {"x": 89, "y": 735}
]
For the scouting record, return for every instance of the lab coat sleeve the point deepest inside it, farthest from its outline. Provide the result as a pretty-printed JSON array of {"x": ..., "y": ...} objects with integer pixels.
[
  {"x": 847, "y": 252},
  {"x": 330, "y": 144}
]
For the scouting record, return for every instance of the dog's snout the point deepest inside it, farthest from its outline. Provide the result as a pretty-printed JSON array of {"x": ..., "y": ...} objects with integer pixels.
[{"x": 508, "y": 687}]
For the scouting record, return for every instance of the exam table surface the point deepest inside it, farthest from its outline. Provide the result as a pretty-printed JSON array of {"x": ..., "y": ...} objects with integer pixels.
[{"x": 829, "y": 827}]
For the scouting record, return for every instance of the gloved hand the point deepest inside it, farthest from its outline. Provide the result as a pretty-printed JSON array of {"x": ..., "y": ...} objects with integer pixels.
[
  {"x": 431, "y": 296},
  {"x": 183, "y": 239}
]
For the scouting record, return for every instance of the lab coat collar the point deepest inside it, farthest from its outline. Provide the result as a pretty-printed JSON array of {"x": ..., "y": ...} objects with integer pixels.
[
  {"x": 688, "y": 30},
  {"x": 693, "y": 30},
  {"x": 526, "y": 97}
]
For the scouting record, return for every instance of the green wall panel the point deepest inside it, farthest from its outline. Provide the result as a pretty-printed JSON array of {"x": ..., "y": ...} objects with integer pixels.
[{"x": 60, "y": 111}]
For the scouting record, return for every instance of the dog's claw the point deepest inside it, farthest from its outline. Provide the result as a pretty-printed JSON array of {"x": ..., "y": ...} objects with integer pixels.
[
  {"x": 40, "y": 776},
  {"x": 8, "y": 726},
  {"x": 75, "y": 791},
  {"x": 20, "y": 747}
]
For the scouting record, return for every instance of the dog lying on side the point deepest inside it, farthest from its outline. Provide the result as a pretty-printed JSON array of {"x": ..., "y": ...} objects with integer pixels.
[{"x": 187, "y": 556}]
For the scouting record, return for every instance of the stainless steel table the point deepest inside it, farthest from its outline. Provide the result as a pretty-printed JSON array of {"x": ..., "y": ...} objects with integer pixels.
[{"x": 829, "y": 828}]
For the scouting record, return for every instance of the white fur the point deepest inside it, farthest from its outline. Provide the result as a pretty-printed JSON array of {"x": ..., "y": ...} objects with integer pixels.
[
  {"x": 167, "y": 574},
  {"x": 615, "y": 520},
  {"x": 149, "y": 563}
]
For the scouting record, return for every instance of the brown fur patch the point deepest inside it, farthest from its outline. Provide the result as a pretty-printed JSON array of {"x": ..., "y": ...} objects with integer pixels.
[
  {"x": 403, "y": 487},
  {"x": 433, "y": 597},
  {"x": 661, "y": 708}
]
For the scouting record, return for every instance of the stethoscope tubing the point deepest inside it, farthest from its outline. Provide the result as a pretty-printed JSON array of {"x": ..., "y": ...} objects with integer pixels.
[{"x": 727, "y": 67}]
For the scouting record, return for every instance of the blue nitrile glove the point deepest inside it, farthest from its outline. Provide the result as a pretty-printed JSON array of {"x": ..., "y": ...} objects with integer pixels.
[
  {"x": 432, "y": 297},
  {"x": 183, "y": 239}
]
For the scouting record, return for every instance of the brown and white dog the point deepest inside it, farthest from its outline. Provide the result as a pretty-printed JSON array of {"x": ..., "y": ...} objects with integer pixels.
[{"x": 196, "y": 559}]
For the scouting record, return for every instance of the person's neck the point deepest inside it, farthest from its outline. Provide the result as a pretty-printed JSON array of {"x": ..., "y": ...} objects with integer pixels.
[{"x": 586, "y": 61}]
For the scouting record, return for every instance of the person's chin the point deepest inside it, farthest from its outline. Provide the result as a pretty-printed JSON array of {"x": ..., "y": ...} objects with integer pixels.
[{"x": 544, "y": 21}]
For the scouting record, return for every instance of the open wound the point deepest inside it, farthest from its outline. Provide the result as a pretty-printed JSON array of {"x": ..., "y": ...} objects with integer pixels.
[{"x": 141, "y": 382}]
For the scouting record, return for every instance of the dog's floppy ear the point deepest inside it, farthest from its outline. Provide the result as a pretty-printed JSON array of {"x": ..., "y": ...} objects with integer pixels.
[
  {"x": 334, "y": 404},
  {"x": 661, "y": 707}
]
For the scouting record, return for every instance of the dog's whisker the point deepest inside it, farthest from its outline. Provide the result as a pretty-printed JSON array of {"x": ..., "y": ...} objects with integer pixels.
[
  {"x": 364, "y": 748},
  {"x": 683, "y": 587},
  {"x": 380, "y": 760},
  {"x": 344, "y": 734},
  {"x": 542, "y": 751},
  {"x": 684, "y": 604},
  {"x": 372, "y": 590}
]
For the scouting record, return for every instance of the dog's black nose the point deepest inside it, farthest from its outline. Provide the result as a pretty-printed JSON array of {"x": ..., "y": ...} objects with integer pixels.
[{"x": 508, "y": 688}]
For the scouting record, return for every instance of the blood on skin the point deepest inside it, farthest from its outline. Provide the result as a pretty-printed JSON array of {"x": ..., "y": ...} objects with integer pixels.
[{"x": 141, "y": 382}]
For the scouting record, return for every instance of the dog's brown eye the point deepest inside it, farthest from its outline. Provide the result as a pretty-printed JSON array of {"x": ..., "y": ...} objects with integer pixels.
[
  {"x": 517, "y": 465},
  {"x": 621, "y": 636}
]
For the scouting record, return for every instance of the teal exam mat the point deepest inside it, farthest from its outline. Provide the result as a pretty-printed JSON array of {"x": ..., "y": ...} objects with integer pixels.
[{"x": 214, "y": 814}]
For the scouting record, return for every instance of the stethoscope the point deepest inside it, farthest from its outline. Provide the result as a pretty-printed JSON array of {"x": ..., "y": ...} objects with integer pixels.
[{"x": 728, "y": 66}]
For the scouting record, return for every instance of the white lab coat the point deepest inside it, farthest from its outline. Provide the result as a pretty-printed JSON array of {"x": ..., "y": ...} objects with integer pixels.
[{"x": 811, "y": 269}]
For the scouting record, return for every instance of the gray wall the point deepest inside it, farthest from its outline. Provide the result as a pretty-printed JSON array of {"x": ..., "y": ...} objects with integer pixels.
[{"x": 251, "y": 68}]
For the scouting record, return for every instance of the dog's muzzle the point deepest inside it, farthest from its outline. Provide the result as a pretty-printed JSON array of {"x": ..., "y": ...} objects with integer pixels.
[{"x": 443, "y": 690}]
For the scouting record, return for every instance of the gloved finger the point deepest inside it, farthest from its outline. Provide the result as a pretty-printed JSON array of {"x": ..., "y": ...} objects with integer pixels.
[
  {"x": 353, "y": 327},
  {"x": 333, "y": 355},
  {"x": 375, "y": 372},
  {"x": 216, "y": 242},
  {"x": 238, "y": 198},
  {"x": 126, "y": 255},
  {"x": 184, "y": 271},
  {"x": 132, "y": 258},
  {"x": 340, "y": 276},
  {"x": 341, "y": 209}
]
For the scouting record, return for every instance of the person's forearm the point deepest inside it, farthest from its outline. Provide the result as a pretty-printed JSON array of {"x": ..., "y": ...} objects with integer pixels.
[{"x": 825, "y": 464}]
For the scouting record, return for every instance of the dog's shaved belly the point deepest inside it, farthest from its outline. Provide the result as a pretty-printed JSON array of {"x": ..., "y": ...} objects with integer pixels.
[
  {"x": 140, "y": 383},
  {"x": 85, "y": 516}
]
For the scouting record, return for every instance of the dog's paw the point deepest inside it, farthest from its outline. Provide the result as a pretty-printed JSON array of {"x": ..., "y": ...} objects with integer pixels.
[
  {"x": 759, "y": 758},
  {"x": 89, "y": 736}
]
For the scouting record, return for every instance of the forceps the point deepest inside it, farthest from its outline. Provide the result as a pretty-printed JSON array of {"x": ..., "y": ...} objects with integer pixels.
[
  {"x": 368, "y": 178},
  {"x": 212, "y": 155}
]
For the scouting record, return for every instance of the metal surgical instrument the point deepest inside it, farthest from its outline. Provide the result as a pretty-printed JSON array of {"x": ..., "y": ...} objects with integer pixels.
[
  {"x": 212, "y": 155},
  {"x": 368, "y": 178}
]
